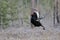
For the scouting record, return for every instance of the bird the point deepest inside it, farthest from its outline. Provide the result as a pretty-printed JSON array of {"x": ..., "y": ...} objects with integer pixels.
[{"x": 35, "y": 20}]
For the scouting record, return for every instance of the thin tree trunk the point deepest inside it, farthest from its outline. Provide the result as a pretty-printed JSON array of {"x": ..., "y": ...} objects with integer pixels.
[
  {"x": 33, "y": 3},
  {"x": 54, "y": 16},
  {"x": 57, "y": 12}
]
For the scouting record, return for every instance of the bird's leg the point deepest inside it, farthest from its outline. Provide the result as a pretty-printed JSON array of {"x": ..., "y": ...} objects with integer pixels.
[{"x": 43, "y": 27}]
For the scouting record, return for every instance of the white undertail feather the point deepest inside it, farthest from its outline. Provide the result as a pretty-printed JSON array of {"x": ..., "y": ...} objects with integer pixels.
[{"x": 37, "y": 13}]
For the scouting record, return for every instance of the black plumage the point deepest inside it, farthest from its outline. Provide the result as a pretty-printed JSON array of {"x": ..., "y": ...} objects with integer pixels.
[{"x": 35, "y": 20}]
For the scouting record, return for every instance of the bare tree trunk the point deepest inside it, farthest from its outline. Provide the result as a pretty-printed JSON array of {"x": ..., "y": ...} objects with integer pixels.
[
  {"x": 57, "y": 12},
  {"x": 33, "y": 4},
  {"x": 54, "y": 16}
]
